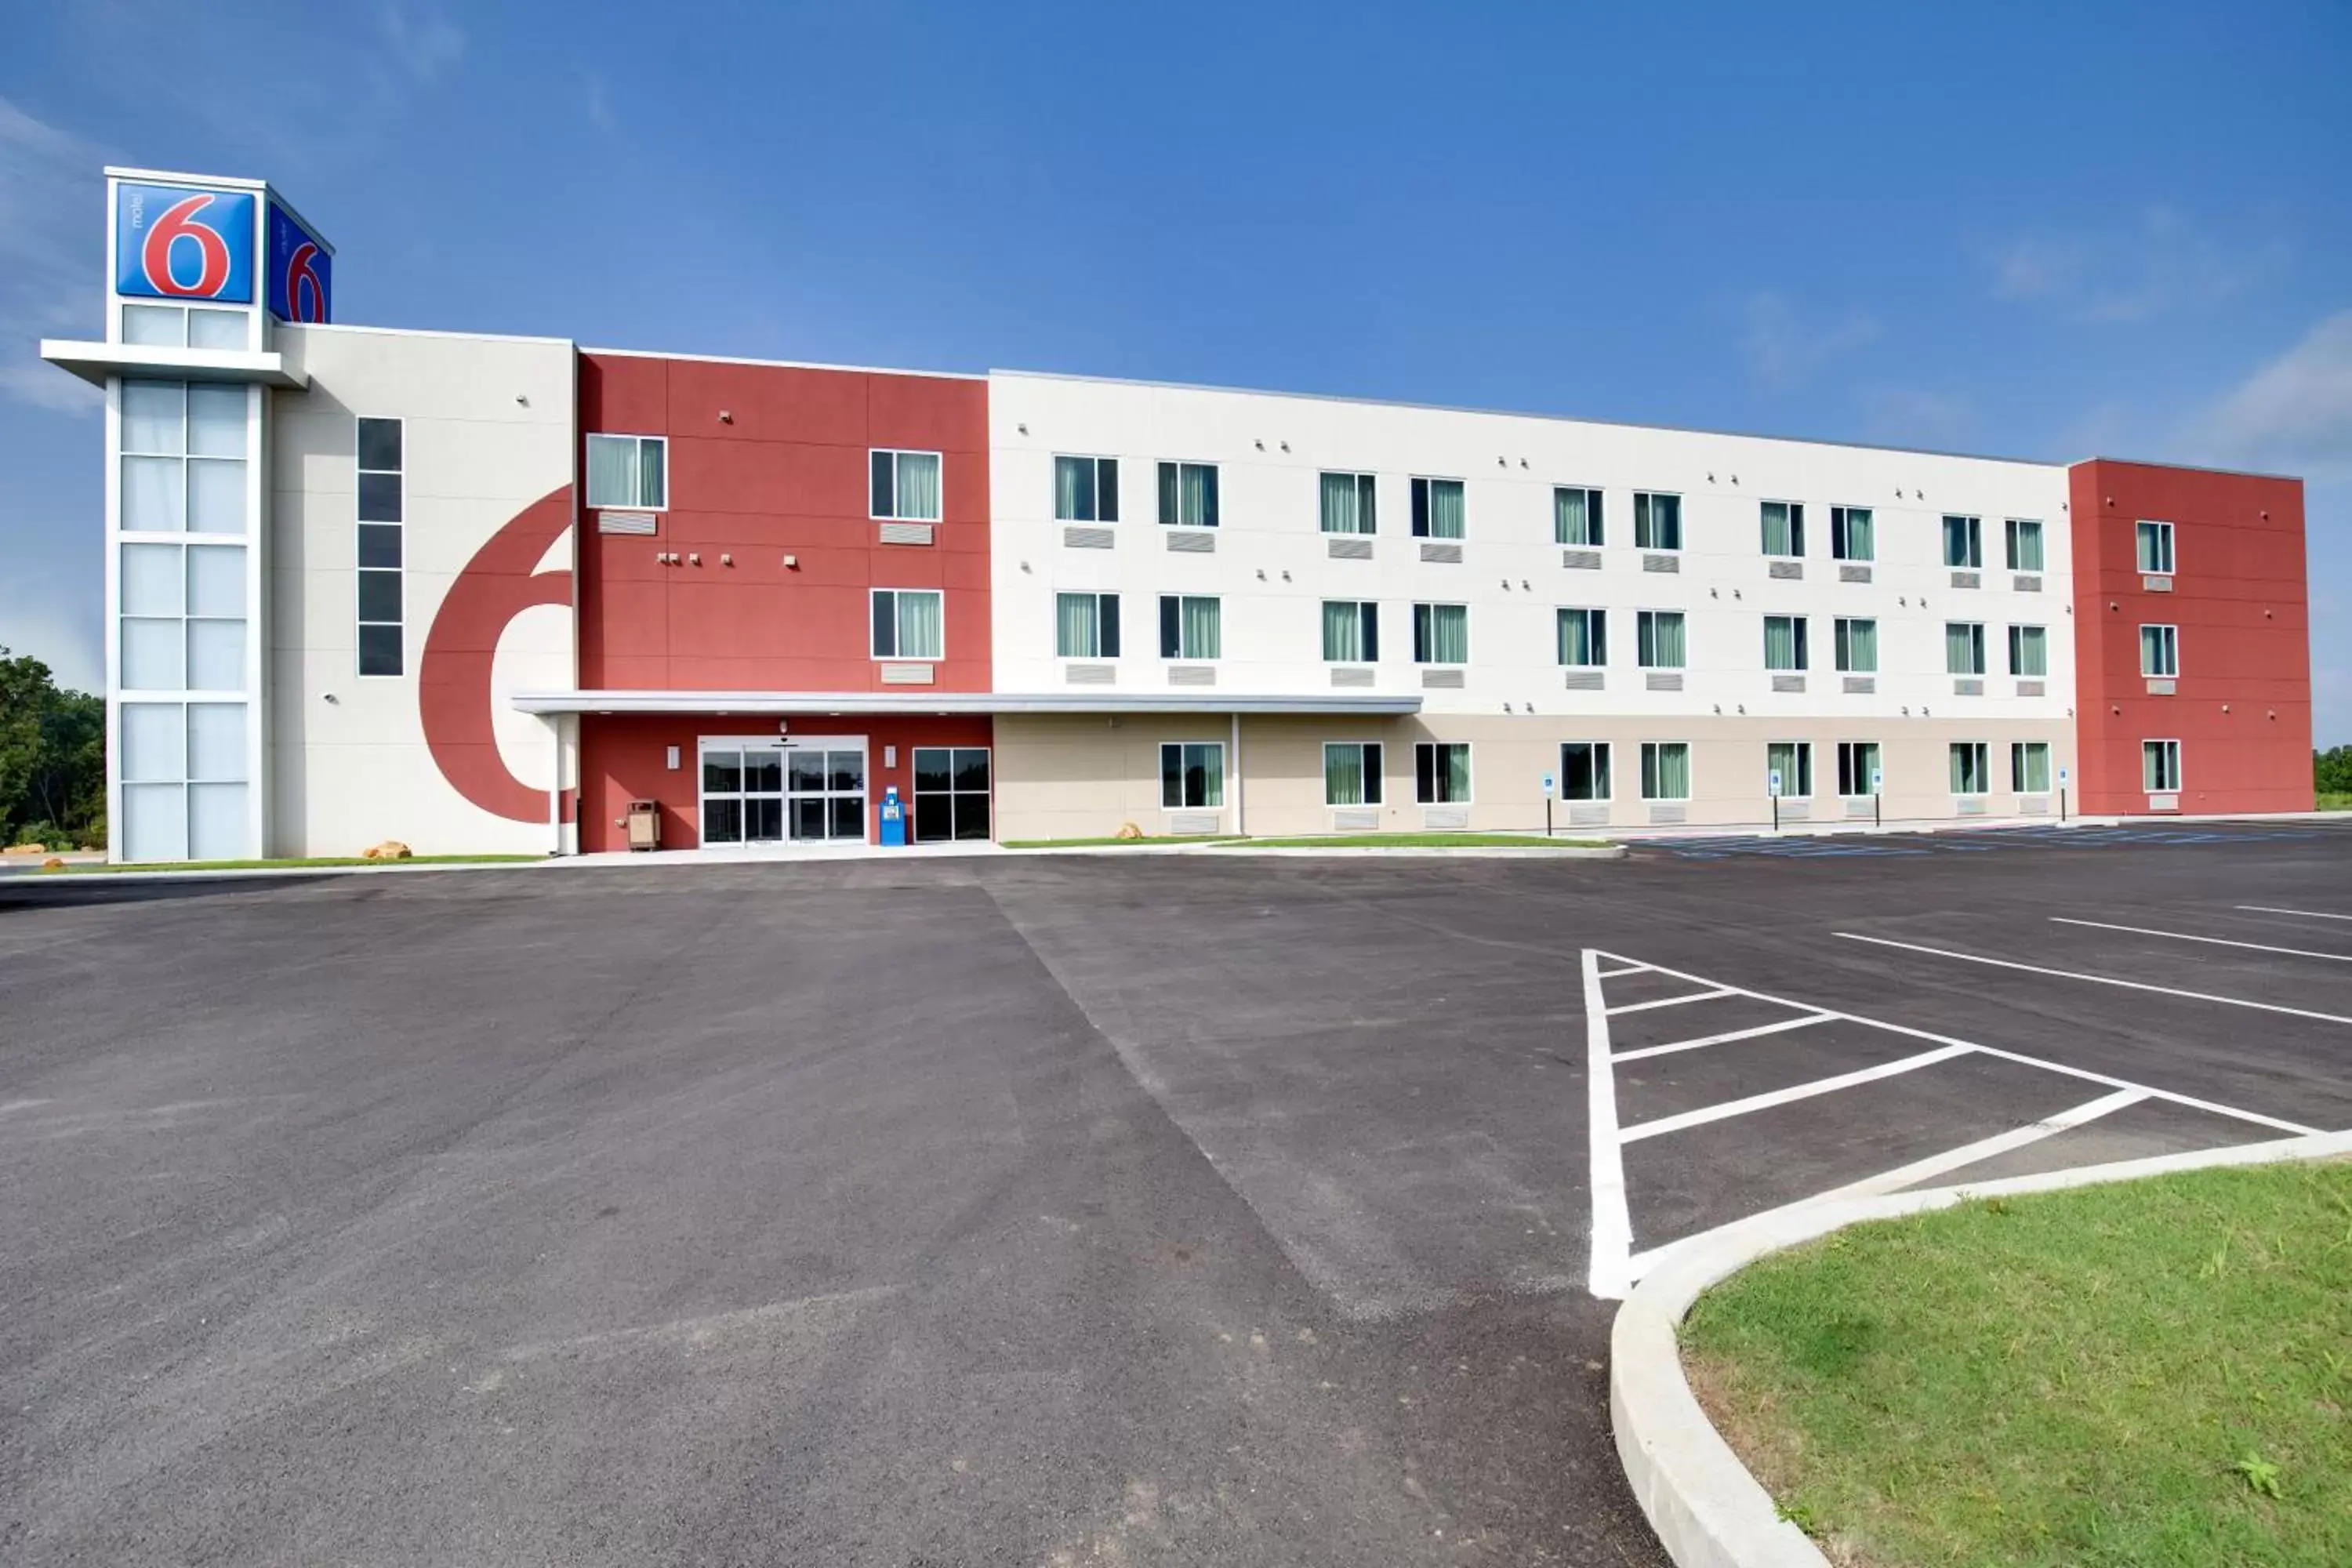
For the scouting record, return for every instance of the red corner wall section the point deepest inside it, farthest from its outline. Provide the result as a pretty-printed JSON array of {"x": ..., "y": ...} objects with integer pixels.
[
  {"x": 767, "y": 461},
  {"x": 2242, "y": 706}
]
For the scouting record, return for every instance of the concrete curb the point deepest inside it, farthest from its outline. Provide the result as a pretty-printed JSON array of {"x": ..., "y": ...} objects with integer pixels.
[{"x": 1707, "y": 1511}]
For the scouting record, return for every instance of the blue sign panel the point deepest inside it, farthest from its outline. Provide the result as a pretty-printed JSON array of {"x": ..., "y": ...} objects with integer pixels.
[
  {"x": 301, "y": 272},
  {"x": 176, "y": 242}
]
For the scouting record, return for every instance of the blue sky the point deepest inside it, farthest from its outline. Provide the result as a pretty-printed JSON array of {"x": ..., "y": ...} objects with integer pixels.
[{"x": 2049, "y": 232}]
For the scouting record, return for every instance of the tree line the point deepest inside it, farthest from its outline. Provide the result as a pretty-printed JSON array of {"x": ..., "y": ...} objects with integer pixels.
[{"x": 52, "y": 759}]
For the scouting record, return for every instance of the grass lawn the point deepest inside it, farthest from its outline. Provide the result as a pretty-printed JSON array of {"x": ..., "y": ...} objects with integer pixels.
[
  {"x": 2334, "y": 800},
  {"x": 324, "y": 863},
  {"x": 2148, "y": 1372}
]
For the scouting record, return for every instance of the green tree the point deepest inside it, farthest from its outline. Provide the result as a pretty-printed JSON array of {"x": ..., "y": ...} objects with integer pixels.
[
  {"x": 52, "y": 757},
  {"x": 2331, "y": 771}
]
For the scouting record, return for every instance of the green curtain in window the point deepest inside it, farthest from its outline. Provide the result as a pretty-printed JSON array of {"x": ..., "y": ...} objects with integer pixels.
[
  {"x": 1340, "y": 505},
  {"x": 1666, "y": 640},
  {"x": 918, "y": 486},
  {"x": 1210, "y": 761},
  {"x": 1780, "y": 642},
  {"x": 1781, "y": 757},
  {"x": 2025, "y": 546},
  {"x": 1667, "y": 767},
  {"x": 1776, "y": 528},
  {"x": 1960, "y": 650},
  {"x": 1456, "y": 760},
  {"x": 1964, "y": 772},
  {"x": 1201, "y": 623},
  {"x": 1861, "y": 646},
  {"x": 1077, "y": 631},
  {"x": 1576, "y": 639},
  {"x": 2151, "y": 651},
  {"x": 1200, "y": 496},
  {"x": 2151, "y": 766},
  {"x": 918, "y": 626},
  {"x": 1859, "y": 544},
  {"x": 1449, "y": 634},
  {"x": 1446, "y": 510},
  {"x": 1343, "y": 631},
  {"x": 1074, "y": 490},
  {"x": 2032, "y": 651},
  {"x": 1343, "y": 774},
  {"x": 612, "y": 470},
  {"x": 1569, "y": 525},
  {"x": 2033, "y": 768}
]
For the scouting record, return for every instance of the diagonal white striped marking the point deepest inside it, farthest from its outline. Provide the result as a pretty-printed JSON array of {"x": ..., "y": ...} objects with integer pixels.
[
  {"x": 1724, "y": 1039},
  {"x": 1934, "y": 1165},
  {"x": 1730, "y": 1108},
  {"x": 2215, "y": 940},
  {"x": 1612, "y": 1223},
  {"x": 2305, "y": 914},
  {"x": 1671, "y": 1001},
  {"x": 2096, "y": 979}
]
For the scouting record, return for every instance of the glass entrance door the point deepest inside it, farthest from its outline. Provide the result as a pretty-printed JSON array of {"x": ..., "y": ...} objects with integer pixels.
[
  {"x": 742, "y": 795},
  {"x": 825, "y": 790},
  {"x": 950, "y": 793}
]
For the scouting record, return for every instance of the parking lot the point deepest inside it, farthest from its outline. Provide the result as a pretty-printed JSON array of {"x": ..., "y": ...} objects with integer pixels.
[{"x": 1024, "y": 1210}]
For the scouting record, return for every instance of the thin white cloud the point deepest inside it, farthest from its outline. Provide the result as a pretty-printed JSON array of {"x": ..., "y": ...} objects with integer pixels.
[
  {"x": 2294, "y": 412},
  {"x": 1785, "y": 350},
  {"x": 2034, "y": 269},
  {"x": 52, "y": 228},
  {"x": 1918, "y": 417},
  {"x": 425, "y": 43},
  {"x": 2168, "y": 262}
]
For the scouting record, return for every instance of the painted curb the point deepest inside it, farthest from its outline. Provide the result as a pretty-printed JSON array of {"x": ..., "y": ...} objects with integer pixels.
[{"x": 1707, "y": 1509}]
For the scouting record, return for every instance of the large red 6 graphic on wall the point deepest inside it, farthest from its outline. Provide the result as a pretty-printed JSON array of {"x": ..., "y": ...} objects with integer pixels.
[{"x": 454, "y": 697}]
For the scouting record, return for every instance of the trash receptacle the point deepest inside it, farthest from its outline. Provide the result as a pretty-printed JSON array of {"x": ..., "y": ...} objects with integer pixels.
[
  {"x": 894, "y": 818},
  {"x": 644, "y": 825}
]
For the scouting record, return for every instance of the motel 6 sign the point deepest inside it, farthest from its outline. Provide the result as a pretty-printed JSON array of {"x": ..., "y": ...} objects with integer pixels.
[{"x": 197, "y": 244}]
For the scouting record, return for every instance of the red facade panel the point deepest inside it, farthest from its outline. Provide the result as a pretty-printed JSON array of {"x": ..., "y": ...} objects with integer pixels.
[
  {"x": 766, "y": 463},
  {"x": 2241, "y": 706},
  {"x": 625, "y": 757}
]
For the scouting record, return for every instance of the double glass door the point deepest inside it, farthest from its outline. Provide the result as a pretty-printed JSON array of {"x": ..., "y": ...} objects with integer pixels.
[{"x": 766, "y": 792}]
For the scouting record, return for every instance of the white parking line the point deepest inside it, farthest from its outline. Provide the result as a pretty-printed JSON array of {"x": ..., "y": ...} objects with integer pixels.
[
  {"x": 1934, "y": 1165},
  {"x": 1724, "y": 1038},
  {"x": 1612, "y": 1222},
  {"x": 2217, "y": 942},
  {"x": 2306, "y": 914},
  {"x": 1629, "y": 969},
  {"x": 1730, "y": 1108},
  {"x": 1671, "y": 1001},
  {"x": 2095, "y": 979}
]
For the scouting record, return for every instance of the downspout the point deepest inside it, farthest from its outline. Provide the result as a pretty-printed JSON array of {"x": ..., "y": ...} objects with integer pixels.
[{"x": 1241, "y": 811}]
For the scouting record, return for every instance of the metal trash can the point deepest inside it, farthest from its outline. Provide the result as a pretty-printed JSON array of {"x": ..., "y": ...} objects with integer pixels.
[{"x": 644, "y": 823}]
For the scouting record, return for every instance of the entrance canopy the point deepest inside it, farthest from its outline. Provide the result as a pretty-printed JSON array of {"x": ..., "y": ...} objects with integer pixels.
[{"x": 852, "y": 702}]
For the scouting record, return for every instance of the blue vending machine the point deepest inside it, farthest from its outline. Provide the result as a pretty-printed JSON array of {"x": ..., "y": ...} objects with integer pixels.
[{"x": 894, "y": 818}]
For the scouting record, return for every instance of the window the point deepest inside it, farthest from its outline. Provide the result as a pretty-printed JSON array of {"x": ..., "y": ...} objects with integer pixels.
[
  {"x": 1189, "y": 626},
  {"x": 184, "y": 771},
  {"x": 628, "y": 471},
  {"x": 1665, "y": 770},
  {"x": 184, "y": 617},
  {"x": 1352, "y": 631},
  {"x": 1441, "y": 773},
  {"x": 1964, "y": 542},
  {"x": 1576, "y": 516},
  {"x": 2024, "y": 544},
  {"x": 908, "y": 623},
  {"x": 1086, "y": 490},
  {"x": 2159, "y": 650},
  {"x": 1351, "y": 773},
  {"x": 1188, "y": 495},
  {"x": 2159, "y": 766},
  {"x": 1657, "y": 521},
  {"x": 1584, "y": 770},
  {"x": 1583, "y": 637},
  {"x": 380, "y": 546},
  {"x": 1964, "y": 647},
  {"x": 174, "y": 327},
  {"x": 1784, "y": 642},
  {"x": 1440, "y": 633},
  {"x": 1784, "y": 528},
  {"x": 1193, "y": 776},
  {"x": 1085, "y": 626},
  {"x": 2155, "y": 548},
  {"x": 1971, "y": 767},
  {"x": 2028, "y": 767},
  {"x": 1658, "y": 639},
  {"x": 184, "y": 457},
  {"x": 1857, "y": 769},
  {"x": 1437, "y": 509},
  {"x": 2029, "y": 650},
  {"x": 950, "y": 793},
  {"x": 1857, "y": 645},
  {"x": 905, "y": 485},
  {"x": 1851, "y": 538},
  {"x": 1349, "y": 503},
  {"x": 1793, "y": 761}
]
